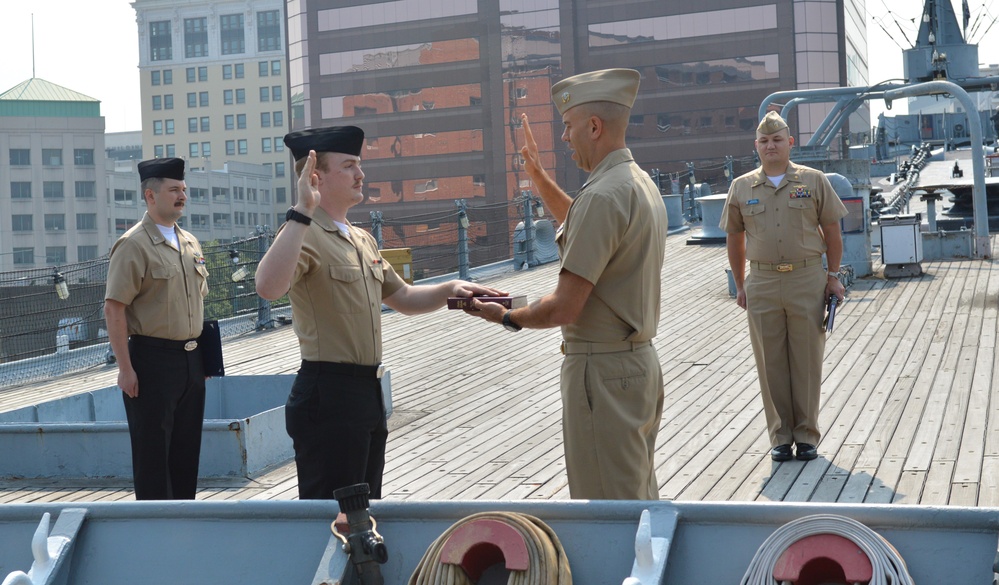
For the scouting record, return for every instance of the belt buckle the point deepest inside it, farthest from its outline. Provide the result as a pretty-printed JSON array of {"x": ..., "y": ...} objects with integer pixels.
[
  {"x": 785, "y": 267},
  {"x": 562, "y": 347},
  {"x": 380, "y": 371},
  {"x": 191, "y": 345}
]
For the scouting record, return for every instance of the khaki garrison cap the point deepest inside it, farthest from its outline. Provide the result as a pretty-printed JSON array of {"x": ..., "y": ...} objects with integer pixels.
[
  {"x": 772, "y": 123},
  {"x": 619, "y": 86}
]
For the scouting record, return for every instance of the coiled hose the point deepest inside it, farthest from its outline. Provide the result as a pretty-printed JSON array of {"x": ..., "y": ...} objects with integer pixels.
[
  {"x": 888, "y": 565},
  {"x": 548, "y": 563}
]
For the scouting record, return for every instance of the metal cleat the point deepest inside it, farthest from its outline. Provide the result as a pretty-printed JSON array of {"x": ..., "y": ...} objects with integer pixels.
[{"x": 651, "y": 552}]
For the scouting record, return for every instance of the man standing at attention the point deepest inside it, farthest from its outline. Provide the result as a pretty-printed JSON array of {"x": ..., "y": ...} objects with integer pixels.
[
  {"x": 782, "y": 217},
  {"x": 337, "y": 281},
  {"x": 611, "y": 243},
  {"x": 154, "y": 308}
]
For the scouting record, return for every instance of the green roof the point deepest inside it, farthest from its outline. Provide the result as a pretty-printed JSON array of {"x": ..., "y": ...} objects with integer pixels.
[{"x": 39, "y": 98}]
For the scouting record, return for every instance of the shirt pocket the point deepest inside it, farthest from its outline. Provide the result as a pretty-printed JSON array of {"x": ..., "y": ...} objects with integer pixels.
[
  {"x": 347, "y": 288},
  {"x": 162, "y": 276},
  {"x": 801, "y": 212},
  {"x": 202, "y": 280},
  {"x": 752, "y": 217}
]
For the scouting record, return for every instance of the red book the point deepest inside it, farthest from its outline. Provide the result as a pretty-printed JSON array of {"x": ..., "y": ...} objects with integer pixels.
[{"x": 511, "y": 302}]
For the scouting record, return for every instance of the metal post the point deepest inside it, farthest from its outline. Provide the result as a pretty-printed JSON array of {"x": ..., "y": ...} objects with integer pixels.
[
  {"x": 729, "y": 170},
  {"x": 376, "y": 228},
  {"x": 529, "y": 227},
  {"x": 462, "y": 240},
  {"x": 264, "y": 320},
  {"x": 692, "y": 214}
]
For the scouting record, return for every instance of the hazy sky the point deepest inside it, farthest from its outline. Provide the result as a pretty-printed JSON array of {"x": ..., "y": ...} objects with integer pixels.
[{"x": 92, "y": 48}]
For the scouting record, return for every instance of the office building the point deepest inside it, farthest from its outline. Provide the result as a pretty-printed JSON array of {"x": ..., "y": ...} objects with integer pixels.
[{"x": 213, "y": 85}]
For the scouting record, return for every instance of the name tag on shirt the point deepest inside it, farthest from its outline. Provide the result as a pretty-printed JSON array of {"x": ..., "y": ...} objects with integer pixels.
[{"x": 752, "y": 202}]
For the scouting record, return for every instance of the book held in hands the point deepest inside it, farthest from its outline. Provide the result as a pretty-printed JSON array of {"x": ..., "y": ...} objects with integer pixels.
[{"x": 510, "y": 302}]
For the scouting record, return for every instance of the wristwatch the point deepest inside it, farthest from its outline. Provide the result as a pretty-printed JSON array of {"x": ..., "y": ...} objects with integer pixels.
[
  {"x": 833, "y": 274},
  {"x": 510, "y": 325},
  {"x": 293, "y": 215}
]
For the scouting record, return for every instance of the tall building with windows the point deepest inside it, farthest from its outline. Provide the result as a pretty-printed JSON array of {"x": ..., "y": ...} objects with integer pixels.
[
  {"x": 51, "y": 177},
  {"x": 213, "y": 85},
  {"x": 439, "y": 87}
]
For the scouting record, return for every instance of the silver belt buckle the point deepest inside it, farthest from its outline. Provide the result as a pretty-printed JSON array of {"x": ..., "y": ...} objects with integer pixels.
[
  {"x": 380, "y": 371},
  {"x": 191, "y": 345}
]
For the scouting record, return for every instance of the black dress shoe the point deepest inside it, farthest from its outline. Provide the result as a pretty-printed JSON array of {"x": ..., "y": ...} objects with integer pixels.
[
  {"x": 781, "y": 453},
  {"x": 806, "y": 452}
]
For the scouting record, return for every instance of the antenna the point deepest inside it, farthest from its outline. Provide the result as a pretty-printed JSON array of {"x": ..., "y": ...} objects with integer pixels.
[{"x": 32, "y": 45}]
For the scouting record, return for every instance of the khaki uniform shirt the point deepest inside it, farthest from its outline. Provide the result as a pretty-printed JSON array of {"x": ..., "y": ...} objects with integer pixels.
[
  {"x": 782, "y": 223},
  {"x": 614, "y": 236},
  {"x": 164, "y": 288},
  {"x": 336, "y": 294}
]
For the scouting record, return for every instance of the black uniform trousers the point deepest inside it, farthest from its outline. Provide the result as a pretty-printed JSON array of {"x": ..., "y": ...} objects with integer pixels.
[
  {"x": 335, "y": 417},
  {"x": 165, "y": 419}
]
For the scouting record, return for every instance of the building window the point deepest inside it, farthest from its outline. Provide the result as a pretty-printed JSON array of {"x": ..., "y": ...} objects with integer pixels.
[
  {"x": 269, "y": 30},
  {"x": 230, "y": 147},
  {"x": 227, "y": 72},
  {"x": 280, "y": 195},
  {"x": 275, "y": 68},
  {"x": 199, "y": 221},
  {"x": 192, "y": 100},
  {"x": 168, "y": 102},
  {"x": 157, "y": 102},
  {"x": 86, "y": 221},
  {"x": 168, "y": 77},
  {"x": 203, "y": 99},
  {"x": 220, "y": 194},
  {"x": 242, "y": 146},
  {"x": 230, "y": 122},
  {"x": 198, "y": 194},
  {"x": 240, "y": 70},
  {"x": 21, "y": 223},
  {"x": 121, "y": 225},
  {"x": 160, "y": 41},
  {"x": 192, "y": 124},
  {"x": 521, "y": 92},
  {"x": 124, "y": 196},
  {"x": 202, "y": 73},
  {"x": 279, "y": 169},
  {"x": 158, "y": 151},
  {"x": 157, "y": 127},
  {"x": 241, "y": 121},
  {"x": 83, "y": 157},
  {"x": 195, "y": 37},
  {"x": 86, "y": 190},
  {"x": 52, "y": 157},
  {"x": 84, "y": 253},
  {"x": 20, "y": 157},
  {"x": 206, "y": 149},
  {"x": 192, "y": 150},
  {"x": 55, "y": 222},
  {"x": 190, "y": 74},
  {"x": 20, "y": 189},
  {"x": 227, "y": 97},
  {"x": 263, "y": 68},
  {"x": 233, "y": 42},
  {"x": 169, "y": 126},
  {"x": 240, "y": 96},
  {"x": 171, "y": 150},
  {"x": 265, "y": 94},
  {"x": 265, "y": 144},
  {"x": 24, "y": 256},
  {"x": 221, "y": 220},
  {"x": 55, "y": 254},
  {"x": 205, "y": 124},
  {"x": 52, "y": 190},
  {"x": 278, "y": 144},
  {"x": 276, "y": 93},
  {"x": 265, "y": 119},
  {"x": 154, "y": 77},
  {"x": 278, "y": 119}
]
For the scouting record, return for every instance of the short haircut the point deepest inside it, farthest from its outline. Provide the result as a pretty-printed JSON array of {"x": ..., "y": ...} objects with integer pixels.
[
  {"x": 322, "y": 163},
  {"x": 152, "y": 183}
]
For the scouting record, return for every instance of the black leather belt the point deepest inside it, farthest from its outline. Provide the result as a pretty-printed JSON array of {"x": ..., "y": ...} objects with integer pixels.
[
  {"x": 338, "y": 369},
  {"x": 185, "y": 344}
]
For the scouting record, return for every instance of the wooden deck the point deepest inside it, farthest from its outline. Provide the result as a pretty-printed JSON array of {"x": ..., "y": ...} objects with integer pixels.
[{"x": 910, "y": 405}]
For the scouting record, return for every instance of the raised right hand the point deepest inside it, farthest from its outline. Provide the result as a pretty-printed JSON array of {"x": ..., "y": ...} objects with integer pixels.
[{"x": 308, "y": 185}]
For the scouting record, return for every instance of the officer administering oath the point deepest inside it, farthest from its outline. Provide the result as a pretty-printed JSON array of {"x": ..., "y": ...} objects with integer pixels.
[
  {"x": 611, "y": 244},
  {"x": 154, "y": 308},
  {"x": 783, "y": 217},
  {"x": 337, "y": 281}
]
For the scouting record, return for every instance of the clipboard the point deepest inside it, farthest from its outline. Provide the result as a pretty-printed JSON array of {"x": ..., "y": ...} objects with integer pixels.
[{"x": 210, "y": 342}]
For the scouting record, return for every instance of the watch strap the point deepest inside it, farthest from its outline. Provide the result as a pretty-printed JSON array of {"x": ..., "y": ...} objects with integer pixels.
[{"x": 294, "y": 215}]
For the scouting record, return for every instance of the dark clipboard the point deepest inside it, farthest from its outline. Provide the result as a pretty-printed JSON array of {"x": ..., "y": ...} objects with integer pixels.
[{"x": 210, "y": 343}]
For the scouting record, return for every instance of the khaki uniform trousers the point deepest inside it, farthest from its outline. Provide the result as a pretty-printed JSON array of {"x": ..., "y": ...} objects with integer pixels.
[
  {"x": 612, "y": 404},
  {"x": 785, "y": 311}
]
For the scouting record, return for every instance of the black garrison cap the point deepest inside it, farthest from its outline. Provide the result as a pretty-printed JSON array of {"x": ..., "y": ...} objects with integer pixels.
[
  {"x": 345, "y": 139},
  {"x": 161, "y": 168}
]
